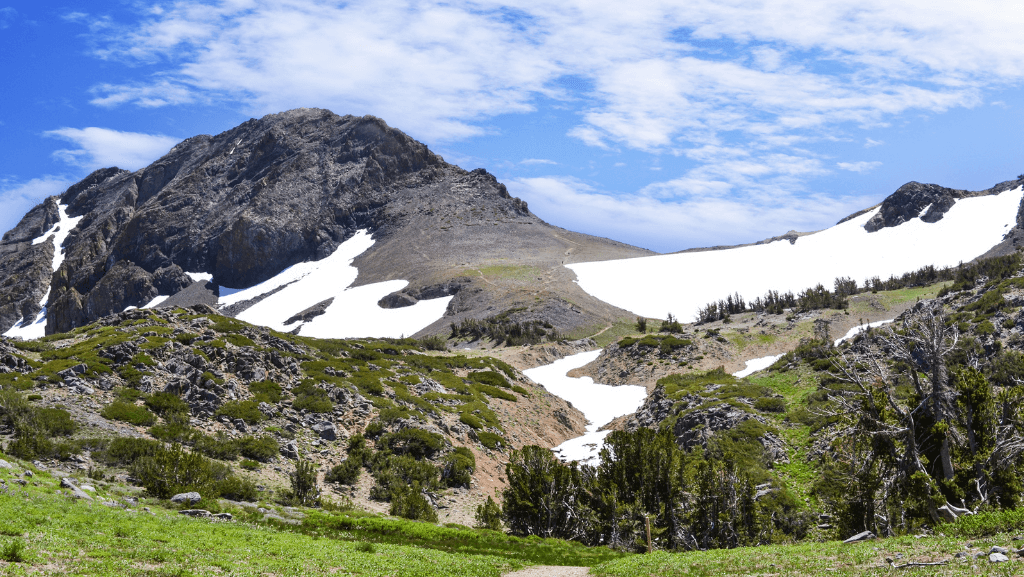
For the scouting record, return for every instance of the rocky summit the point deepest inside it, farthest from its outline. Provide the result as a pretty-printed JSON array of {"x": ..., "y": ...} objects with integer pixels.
[{"x": 237, "y": 208}]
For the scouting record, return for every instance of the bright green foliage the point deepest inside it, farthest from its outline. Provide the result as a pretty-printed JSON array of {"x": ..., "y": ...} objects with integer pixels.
[
  {"x": 129, "y": 413},
  {"x": 409, "y": 503},
  {"x": 491, "y": 440},
  {"x": 171, "y": 471},
  {"x": 266, "y": 392},
  {"x": 458, "y": 467},
  {"x": 311, "y": 398},
  {"x": 416, "y": 443},
  {"x": 248, "y": 411},
  {"x": 304, "y": 486},
  {"x": 261, "y": 449},
  {"x": 488, "y": 515},
  {"x": 166, "y": 403}
]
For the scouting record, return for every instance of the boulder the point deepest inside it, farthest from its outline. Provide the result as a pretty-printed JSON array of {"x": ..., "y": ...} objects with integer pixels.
[
  {"x": 290, "y": 450},
  {"x": 195, "y": 513},
  {"x": 326, "y": 430},
  {"x": 997, "y": 558},
  {"x": 189, "y": 498},
  {"x": 863, "y": 536},
  {"x": 75, "y": 492},
  {"x": 5, "y": 465}
]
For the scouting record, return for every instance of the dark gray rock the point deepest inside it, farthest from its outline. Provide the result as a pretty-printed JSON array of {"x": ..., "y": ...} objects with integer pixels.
[
  {"x": 863, "y": 536},
  {"x": 311, "y": 312},
  {"x": 290, "y": 450},
  {"x": 326, "y": 431},
  {"x": 198, "y": 513}
]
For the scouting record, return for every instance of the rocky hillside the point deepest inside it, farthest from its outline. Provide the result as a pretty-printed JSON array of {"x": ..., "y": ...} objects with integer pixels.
[
  {"x": 242, "y": 206},
  {"x": 230, "y": 390}
]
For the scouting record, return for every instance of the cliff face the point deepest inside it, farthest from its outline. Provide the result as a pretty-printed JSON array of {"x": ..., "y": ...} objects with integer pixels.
[{"x": 246, "y": 204}]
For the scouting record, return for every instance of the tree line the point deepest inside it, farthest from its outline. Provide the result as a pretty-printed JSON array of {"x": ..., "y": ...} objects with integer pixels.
[{"x": 819, "y": 297}]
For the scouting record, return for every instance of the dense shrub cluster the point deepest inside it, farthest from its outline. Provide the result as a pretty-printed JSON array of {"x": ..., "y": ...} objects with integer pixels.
[
  {"x": 501, "y": 329},
  {"x": 695, "y": 500}
]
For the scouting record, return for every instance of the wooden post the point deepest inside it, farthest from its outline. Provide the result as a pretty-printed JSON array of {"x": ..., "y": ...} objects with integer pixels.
[{"x": 648, "y": 519}]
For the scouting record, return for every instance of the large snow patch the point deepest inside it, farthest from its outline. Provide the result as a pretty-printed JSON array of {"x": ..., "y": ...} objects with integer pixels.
[
  {"x": 354, "y": 311},
  {"x": 599, "y": 403},
  {"x": 683, "y": 283}
]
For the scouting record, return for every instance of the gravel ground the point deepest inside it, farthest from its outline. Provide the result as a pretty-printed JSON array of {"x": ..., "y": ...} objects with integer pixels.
[{"x": 550, "y": 571}]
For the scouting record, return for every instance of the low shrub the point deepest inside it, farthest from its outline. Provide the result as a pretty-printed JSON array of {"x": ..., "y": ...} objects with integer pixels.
[
  {"x": 262, "y": 448},
  {"x": 248, "y": 411},
  {"x": 770, "y": 405},
  {"x": 416, "y": 443},
  {"x": 488, "y": 515},
  {"x": 266, "y": 392},
  {"x": 165, "y": 404},
  {"x": 458, "y": 468},
  {"x": 129, "y": 413},
  {"x": 311, "y": 398},
  {"x": 490, "y": 440},
  {"x": 346, "y": 473}
]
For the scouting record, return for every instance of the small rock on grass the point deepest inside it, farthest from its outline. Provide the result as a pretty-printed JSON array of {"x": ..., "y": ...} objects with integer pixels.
[
  {"x": 5, "y": 465},
  {"x": 195, "y": 513},
  {"x": 997, "y": 558}
]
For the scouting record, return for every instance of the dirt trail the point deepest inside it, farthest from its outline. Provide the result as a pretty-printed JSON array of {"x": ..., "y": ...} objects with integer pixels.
[{"x": 550, "y": 571}]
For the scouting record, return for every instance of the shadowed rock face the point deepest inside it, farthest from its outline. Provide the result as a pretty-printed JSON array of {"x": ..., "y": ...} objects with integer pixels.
[{"x": 290, "y": 187}]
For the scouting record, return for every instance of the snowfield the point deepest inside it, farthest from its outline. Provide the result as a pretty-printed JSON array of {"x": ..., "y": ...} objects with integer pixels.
[
  {"x": 754, "y": 365},
  {"x": 599, "y": 403},
  {"x": 60, "y": 232},
  {"x": 683, "y": 283},
  {"x": 859, "y": 328},
  {"x": 354, "y": 311}
]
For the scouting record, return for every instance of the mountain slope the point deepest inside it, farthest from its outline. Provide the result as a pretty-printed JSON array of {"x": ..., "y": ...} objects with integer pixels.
[
  {"x": 238, "y": 208},
  {"x": 916, "y": 226}
]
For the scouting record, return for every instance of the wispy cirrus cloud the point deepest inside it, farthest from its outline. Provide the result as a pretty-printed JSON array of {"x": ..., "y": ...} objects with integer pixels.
[
  {"x": 103, "y": 147},
  {"x": 861, "y": 166}
]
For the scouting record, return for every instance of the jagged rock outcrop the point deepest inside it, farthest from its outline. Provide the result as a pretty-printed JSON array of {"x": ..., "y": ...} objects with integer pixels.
[{"x": 912, "y": 199}]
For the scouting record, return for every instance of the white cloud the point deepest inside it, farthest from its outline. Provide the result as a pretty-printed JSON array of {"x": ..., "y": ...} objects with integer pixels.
[
  {"x": 871, "y": 143},
  {"x": 862, "y": 166},
  {"x": 103, "y": 147},
  {"x": 531, "y": 161},
  {"x": 673, "y": 224}
]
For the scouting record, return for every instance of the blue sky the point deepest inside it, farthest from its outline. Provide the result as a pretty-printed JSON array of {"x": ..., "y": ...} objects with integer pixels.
[{"x": 669, "y": 125}]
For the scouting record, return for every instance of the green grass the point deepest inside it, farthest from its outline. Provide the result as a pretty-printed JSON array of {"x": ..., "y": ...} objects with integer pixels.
[
  {"x": 743, "y": 340},
  {"x": 830, "y": 558},
  {"x": 62, "y": 536}
]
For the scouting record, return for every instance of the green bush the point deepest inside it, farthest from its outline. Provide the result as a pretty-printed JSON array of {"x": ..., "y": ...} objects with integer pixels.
[
  {"x": 249, "y": 465},
  {"x": 434, "y": 343},
  {"x": 129, "y": 413},
  {"x": 458, "y": 468},
  {"x": 490, "y": 378},
  {"x": 236, "y": 488},
  {"x": 262, "y": 449},
  {"x": 393, "y": 473},
  {"x": 220, "y": 447},
  {"x": 165, "y": 403},
  {"x": 346, "y": 473},
  {"x": 266, "y": 392},
  {"x": 127, "y": 450},
  {"x": 311, "y": 398},
  {"x": 770, "y": 405},
  {"x": 411, "y": 504},
  {"x": 414, "y": 442},
  {"x": 490, "y": 440},
  {"x": 304, "y": 485},
  {"x": 13, "y": 552},
  {"x": 488, "y": 515},
  {"x": 170, "y": 471},
  {"x": 248, "y": 411}
]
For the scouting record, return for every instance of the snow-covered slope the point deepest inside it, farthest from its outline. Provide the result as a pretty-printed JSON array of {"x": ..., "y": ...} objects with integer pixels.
[
  {"x": 683, "y": 283},
  {"x": 352, "y": 313},
  {"x": 59, "y": 232},
  {"x": 599, "y": 403}
]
